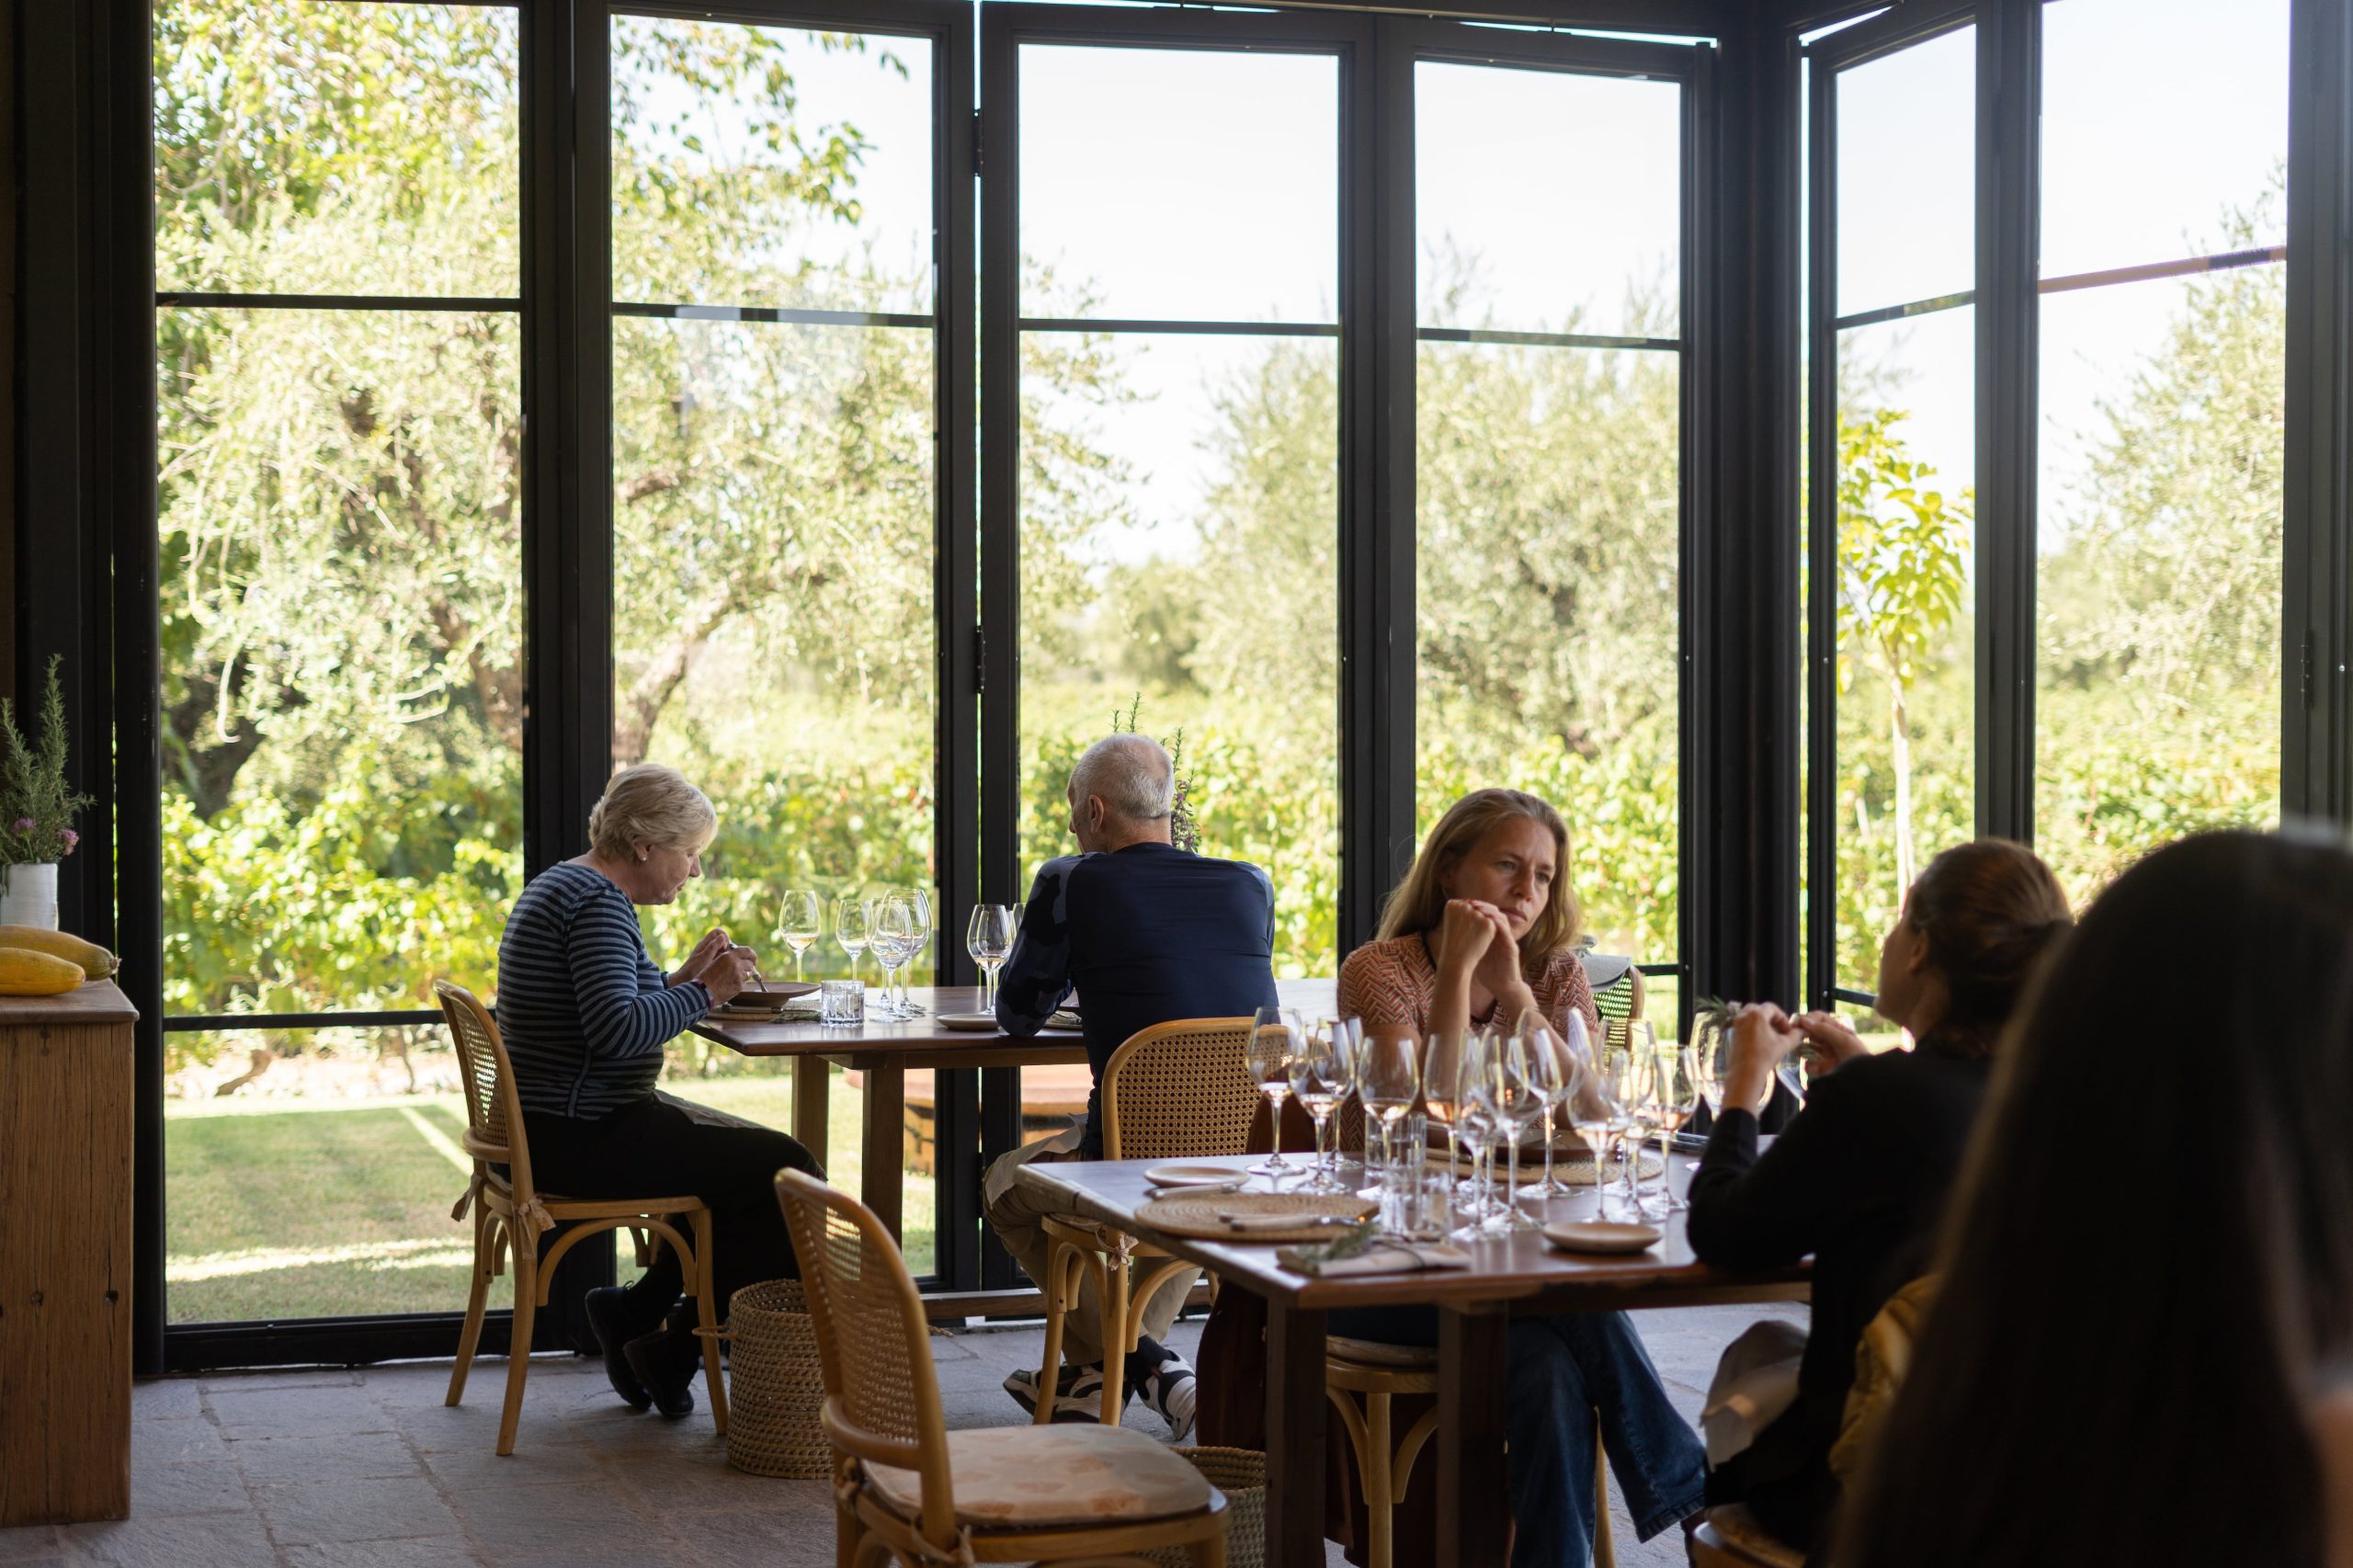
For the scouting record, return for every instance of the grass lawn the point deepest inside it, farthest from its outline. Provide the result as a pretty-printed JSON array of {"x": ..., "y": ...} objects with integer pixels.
[{"x": 341, "y": 1209}]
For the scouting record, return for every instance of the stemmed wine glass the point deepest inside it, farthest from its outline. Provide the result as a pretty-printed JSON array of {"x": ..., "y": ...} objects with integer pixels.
[
  {"x": 988, "y": 936},
  {"x": 1573, "y": 1061},
  {"x": 1476, "y": 1126},
  {"x": 853, "y": 923},
  {"x": 800, "y": 922},
  {"x": 1318, "y": 1081},
  {"x": 1513, "y": 1084},
  {"x": 1622, "y": 1070},
  {"x": 1556, "y": 1075},
  {"x": 1274, "y": 1037},
  {"x": 1441, "y": 1088},
  {"x": 1388, "y": 1080},
  {"x": 1674, "y": 1095},
  {"x": 895, "y": 937},
  {"x": 919, "y": 904}
]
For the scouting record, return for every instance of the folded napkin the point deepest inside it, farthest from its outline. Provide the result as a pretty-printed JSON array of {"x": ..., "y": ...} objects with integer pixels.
[
  {"x": 1063, "y": 1018},
  {"x": 1380, "y": 1257}
]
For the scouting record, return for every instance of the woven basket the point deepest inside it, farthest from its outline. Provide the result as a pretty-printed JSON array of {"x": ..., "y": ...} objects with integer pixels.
[
  {"x": 776, "y": 1387},
  {"x": 1241, "y": 1474}
]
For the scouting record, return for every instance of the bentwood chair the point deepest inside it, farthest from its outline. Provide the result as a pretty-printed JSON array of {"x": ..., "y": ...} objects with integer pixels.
[
  {"x": 905, "y": 1487},
  {"x": 1617, "y": 985},
  {"x": 1174, "y": 1091},
  {"x": 510, "y": 1213}
]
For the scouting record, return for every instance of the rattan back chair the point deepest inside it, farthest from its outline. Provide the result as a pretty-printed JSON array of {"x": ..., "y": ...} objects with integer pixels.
[
  {"x": 510, "y": 1213},
  {"x": 1177, "y": 1090},
  {"x": 904, "y": 1486}
]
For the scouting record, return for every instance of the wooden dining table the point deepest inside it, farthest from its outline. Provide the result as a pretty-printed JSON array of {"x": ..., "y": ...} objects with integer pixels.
[
  {"x": 883, "y": 1049},
  {"x": 1510, "y": 1275}
]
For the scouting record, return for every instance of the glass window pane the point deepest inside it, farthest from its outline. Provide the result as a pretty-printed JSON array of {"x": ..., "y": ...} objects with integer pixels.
[
  {"x": 1191, "y": 185},
  {"x": 1548, "y": 563},
  {"x": 1600, "y": 252},
  {"x": 1179, "y": 530},
  {"x": 2164, "y": 131},
  {"x": 1907, "y": 745},
  {"x": 774, "y": 525},
  {"x": 2157, "y": 608},
  {"x": 342, "y": 700},
  {"x": 1908, "y": 174},
  {"x": 771, "y": 167},
  {"x": 311, "y": 146}
]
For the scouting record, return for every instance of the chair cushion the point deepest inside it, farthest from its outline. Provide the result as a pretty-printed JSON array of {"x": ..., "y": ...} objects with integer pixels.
[
  {"x": 1375, "y": 1353},
  {"x": 1033, "y": 1477}
]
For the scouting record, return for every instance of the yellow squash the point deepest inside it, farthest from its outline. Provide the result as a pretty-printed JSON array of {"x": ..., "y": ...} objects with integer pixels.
[
  {"x": 94, "y": 961},
  {"x": 24, "y": 973}
]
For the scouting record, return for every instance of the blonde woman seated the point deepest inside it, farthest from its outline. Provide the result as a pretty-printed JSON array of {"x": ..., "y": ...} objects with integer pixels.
[{"x": 1479, "y": 932}]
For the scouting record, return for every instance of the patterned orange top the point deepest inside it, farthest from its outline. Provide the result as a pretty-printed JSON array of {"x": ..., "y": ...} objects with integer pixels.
[{"x": 1395, "y": 982}]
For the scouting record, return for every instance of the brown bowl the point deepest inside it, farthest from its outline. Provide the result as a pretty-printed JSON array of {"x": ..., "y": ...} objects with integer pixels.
[{"x": 751, "y": 999}]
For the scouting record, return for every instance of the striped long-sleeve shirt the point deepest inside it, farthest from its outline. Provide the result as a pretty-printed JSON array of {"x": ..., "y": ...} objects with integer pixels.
[{"x": 583, "y": 1011}]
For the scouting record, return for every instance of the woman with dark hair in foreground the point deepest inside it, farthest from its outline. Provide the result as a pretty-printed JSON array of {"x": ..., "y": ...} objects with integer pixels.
[
  {"x": 1860, "y": 1178},
  {"x": 2139, "y": 1351}
]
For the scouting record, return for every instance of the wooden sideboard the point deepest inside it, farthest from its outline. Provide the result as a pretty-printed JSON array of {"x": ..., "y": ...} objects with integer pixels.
[{"x": 65, "y": 1131}]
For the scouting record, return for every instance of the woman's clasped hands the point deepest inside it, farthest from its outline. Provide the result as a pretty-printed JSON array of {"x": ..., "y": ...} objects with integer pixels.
[{"x": 1763, "y": 1036}]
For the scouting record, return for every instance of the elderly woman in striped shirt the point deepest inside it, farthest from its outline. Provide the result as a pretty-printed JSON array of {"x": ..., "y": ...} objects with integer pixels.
[
  {"x": 1479, "y": 933},
  {"x": 585, "y": 1015}
]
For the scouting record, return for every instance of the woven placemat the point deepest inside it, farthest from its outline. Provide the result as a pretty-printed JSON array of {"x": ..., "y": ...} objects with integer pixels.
[
  {"x": 1202, "y": 1217},
  {"x": 1575, "y": 1171}
]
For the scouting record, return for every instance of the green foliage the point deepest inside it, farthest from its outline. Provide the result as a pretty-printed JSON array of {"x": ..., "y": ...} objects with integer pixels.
[{"x": 37, "y": 805}]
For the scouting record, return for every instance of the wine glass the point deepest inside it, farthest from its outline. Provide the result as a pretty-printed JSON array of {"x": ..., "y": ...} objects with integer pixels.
[
  {"x": 918, "y": 902},
  {"x": 1555, "y": 1075},
  {"x": 1593, "y": 1110},
  {"x": 1674, "y": 1095},
  {"x": 1572, "y": 1058},
  {"x": 1388, "y": 1080},
  {"x": 1316, "y": 1080},
  {"x": 896, "y": 939},
  {"x": 988, "y": 936},
  {"x": 853, "y": 923},
  {"x": 800, "y": 922},
  {"x": 1441, "y": 1092},
  {"x": 1475, "y": 1125},
  {"x": 1622, "y": 1072},
  {"x": 1274, "y": 1037},
  {"x": 1512, "y": 1083}
]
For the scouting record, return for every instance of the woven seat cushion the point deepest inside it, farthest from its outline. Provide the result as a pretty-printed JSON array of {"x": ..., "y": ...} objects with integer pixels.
[
  {"x": 1036, "y": 1477},
  {"x": 1374, "y": 1353}
]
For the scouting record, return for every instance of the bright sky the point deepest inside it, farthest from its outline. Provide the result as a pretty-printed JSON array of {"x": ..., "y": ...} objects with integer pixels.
[{"x": 1194, "y": 184}]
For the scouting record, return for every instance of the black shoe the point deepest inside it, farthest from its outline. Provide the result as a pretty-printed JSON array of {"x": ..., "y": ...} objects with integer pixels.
[
  {"x": 665, "y": 1362},
  {"x": 608, "y": 1310}
]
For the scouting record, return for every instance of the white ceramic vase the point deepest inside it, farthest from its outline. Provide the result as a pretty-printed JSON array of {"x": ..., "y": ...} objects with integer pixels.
[{"x": 30, "y": 898}]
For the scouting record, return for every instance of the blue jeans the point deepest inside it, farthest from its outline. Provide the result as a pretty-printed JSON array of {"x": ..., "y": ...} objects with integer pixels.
[{"x": 1564, "y": 1371}]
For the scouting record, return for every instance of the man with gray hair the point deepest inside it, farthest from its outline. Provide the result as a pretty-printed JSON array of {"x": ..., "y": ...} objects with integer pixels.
[{"x": 1145, "y": 932}]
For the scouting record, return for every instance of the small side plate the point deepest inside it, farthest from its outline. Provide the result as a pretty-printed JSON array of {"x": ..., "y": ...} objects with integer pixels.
[
  {"x": 1195, "y": 1175},
  {"x": 1602, "y": 1236},
  {"x": 975, "y": 1022}
]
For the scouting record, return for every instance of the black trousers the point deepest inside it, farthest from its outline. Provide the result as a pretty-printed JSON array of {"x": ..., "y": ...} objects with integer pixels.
[{"x": 663, "y": 1147}]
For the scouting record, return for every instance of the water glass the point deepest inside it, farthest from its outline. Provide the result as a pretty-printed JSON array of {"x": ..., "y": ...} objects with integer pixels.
[{"x": 841, "y": 1002}]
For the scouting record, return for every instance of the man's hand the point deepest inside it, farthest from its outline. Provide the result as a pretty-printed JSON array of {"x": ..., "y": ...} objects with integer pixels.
[{"x": 1762, "y": 1037}]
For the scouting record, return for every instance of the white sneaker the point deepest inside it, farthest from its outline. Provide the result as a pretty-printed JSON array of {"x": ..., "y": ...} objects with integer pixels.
[{"x": 1078, "y": 1392}]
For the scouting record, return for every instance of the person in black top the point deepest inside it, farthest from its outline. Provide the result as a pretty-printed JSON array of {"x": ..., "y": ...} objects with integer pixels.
[
  {"x": 585, "y": 1015},
  {"x": 1146, "y": 933},
  {"x": 1860, "y": 1176}
]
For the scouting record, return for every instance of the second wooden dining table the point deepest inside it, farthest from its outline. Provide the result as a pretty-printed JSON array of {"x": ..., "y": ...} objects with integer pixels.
[{"x": 884, "y": 1049}]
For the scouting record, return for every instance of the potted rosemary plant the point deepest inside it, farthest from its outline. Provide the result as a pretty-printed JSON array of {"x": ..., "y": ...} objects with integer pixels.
[{"x": 37, "y": 810}]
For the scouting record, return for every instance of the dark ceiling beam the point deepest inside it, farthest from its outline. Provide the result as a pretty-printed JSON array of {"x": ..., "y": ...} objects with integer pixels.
[{"x": 1671, "y": 19}]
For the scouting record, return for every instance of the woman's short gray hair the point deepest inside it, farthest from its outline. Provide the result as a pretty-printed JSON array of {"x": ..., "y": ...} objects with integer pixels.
[
  {"x": 650, "y": 803},
  {"x": 1133, "y": 773}
]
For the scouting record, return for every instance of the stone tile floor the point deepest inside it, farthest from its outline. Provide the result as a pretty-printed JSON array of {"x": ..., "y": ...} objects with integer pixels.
[{"x": 369, "y": 1469}]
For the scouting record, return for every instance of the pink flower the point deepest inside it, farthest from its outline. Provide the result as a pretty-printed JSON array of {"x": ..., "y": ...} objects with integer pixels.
[
  {"x": 24, "y": 824},
  {"x": 71, "y": 838}
]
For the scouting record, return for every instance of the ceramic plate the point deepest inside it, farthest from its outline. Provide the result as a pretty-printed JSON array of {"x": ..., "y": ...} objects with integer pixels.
[
  {"x": 1601, "y": 1236},
  {"x": 1195, "y": 1175},
  {"x": 976, "y": 1022}
]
